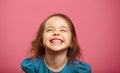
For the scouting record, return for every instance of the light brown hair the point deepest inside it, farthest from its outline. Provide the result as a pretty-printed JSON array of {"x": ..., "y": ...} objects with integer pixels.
[{"x": 37, "y": 44}]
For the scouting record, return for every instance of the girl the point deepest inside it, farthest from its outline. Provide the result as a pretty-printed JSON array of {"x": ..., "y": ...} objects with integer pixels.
[{"x": 55, "y": 48}]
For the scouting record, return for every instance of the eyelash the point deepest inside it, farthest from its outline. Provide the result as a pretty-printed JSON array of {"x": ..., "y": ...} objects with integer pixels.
[
  {"x": 50, "y": 30},
  {"x": 62, "y": 30}
]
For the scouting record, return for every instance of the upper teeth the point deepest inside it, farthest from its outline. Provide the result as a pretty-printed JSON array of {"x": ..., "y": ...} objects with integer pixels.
[{"x": 56, "y": 41}]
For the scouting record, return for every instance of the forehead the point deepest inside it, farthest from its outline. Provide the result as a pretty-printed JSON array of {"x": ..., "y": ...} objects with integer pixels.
[{"x": 56, "y": 21}]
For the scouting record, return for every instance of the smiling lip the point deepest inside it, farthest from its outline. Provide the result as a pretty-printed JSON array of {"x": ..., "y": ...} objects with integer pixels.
[{"x": 56, "y": 41}]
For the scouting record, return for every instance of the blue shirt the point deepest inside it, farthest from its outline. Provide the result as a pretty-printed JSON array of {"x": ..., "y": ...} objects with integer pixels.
[{"x": 37, "y": 65}]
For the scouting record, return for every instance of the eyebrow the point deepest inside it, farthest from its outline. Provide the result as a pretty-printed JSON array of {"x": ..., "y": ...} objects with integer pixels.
[
  {"x": 64, "y": 27},
  {"x": 60, "y": 27},
  {"x": 49, "y": 27}
]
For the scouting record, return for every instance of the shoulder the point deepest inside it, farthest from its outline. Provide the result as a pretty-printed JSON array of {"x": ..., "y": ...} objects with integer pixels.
[
  {"x": 81, "y": 67},
  {"x": 29, "y": 64}
]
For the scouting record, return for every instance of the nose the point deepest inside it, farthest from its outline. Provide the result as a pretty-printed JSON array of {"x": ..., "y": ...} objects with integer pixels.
[{"x": 56, "y": 33}]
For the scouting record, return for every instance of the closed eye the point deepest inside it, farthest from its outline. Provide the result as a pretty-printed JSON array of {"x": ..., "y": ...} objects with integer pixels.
[
  {"x": 49, "y": 30},
  {"x": 63, "y": 30}
]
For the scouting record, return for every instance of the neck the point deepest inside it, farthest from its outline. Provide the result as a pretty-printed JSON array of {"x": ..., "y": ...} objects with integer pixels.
[{"x": 55, "y": 60}]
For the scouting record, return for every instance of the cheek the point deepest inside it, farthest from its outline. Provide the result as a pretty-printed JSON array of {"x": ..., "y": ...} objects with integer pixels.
[
  {"x": 46, "y": 37},
  {"x": 68, "y": 38}
]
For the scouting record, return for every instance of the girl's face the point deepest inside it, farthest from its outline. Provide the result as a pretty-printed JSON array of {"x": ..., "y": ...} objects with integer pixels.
[{"x": 57, "y": 34}]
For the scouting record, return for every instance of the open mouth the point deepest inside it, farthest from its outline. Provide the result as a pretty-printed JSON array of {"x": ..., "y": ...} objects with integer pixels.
[{"x": 56, "y": 41}]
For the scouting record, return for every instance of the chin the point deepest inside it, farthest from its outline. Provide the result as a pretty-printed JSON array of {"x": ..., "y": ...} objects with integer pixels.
[{"x": 58, "y": 50}]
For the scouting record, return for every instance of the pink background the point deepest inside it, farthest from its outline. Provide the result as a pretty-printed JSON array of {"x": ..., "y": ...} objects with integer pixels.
[{"x": 97, "y": 24}]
